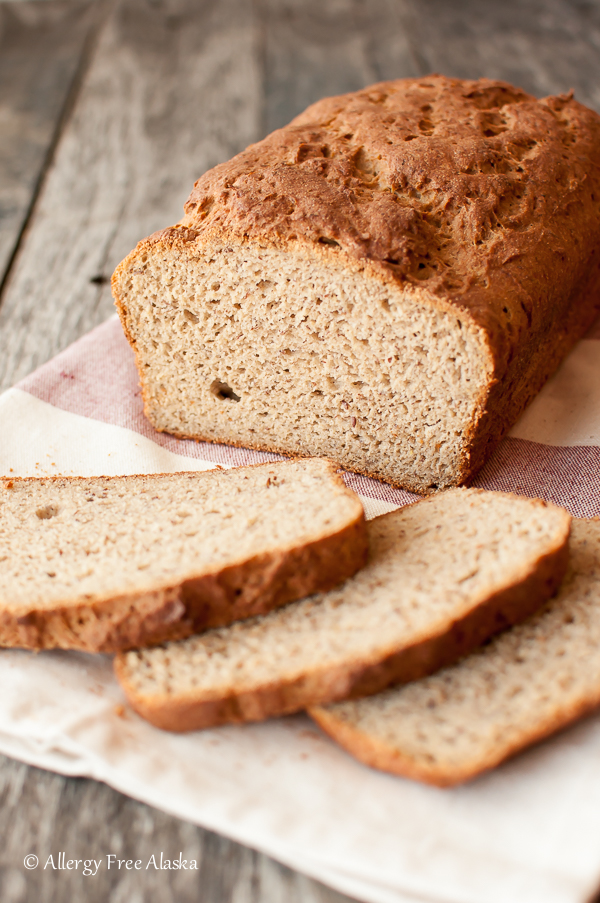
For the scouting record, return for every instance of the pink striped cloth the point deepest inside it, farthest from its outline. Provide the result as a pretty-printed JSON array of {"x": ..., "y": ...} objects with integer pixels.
[{"x": 96, "y": 377}]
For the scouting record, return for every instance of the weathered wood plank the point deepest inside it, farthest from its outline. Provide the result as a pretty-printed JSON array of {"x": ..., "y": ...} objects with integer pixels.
[
  {"x": 544, "y": 46},
  {"x": 42, "y": 49},
  {"x": 174, "y": 88},
  {"x": 314, "y": 49},
  {"x": 45, "y": 814}
]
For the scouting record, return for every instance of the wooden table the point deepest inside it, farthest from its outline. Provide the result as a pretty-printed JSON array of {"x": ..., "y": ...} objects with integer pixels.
[{"x": 109, "y": 110}]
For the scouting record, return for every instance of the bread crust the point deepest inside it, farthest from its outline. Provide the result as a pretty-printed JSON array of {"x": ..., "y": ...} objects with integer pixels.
[
  {"x": 243, "y": 589},
  {"x": 475, "y": 196},
  {"x": 362, "y": 678}
]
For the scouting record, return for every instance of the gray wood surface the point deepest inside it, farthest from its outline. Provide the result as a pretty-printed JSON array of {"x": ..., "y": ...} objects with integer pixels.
[
  {"x": 173, "y": 88},
  {"x": 544, "y": 46},
  {"x": 109, "y": 109},
  {"x": 43, "y": 48}
]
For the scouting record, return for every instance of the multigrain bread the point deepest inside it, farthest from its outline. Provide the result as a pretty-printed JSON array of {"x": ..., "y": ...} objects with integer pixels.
[
  {"x": 108, "y": 563},
  {"x": 387, "y": 281},
  {"x": 442, "y": 576},
  {"x": 526, "y": 684}
]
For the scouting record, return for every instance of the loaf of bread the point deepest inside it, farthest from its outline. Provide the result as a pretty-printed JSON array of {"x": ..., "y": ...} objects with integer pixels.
[
  {"x": 526, "y": 684},
  {"x": 387, "y": 281},
  {"x": 108, "y": 563},
  {"x": 442, "y": 576}
]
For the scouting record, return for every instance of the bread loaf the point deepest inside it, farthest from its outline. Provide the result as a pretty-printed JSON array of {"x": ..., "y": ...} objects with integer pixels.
[
  {"x": 108, "y": 563},
  {"x": 387, "y": 281},
  {"x": 442, "y": 576},
  {"x": 523, "y": 686}
]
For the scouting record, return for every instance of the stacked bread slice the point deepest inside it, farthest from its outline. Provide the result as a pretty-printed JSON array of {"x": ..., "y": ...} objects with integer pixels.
[
  {"x": 108, "y": 563},
  {"x": 442, "y": 576},
  {"x": 526, "y": 684}
]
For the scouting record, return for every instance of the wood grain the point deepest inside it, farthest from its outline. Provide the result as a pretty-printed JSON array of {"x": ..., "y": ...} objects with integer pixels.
[
  {"x": 42, "y": 50},
  {"x": 173, "y": 87},
  {"x": 544, "y": 46},
  {"x": 312, "y": 50}
]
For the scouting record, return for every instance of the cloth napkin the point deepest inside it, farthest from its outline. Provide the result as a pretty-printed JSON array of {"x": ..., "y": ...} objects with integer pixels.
[{"x": 528, "y": 832}]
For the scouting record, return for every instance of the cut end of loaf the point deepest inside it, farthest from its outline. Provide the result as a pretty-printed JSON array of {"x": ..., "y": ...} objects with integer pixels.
[{"x": 303, "y": 351}]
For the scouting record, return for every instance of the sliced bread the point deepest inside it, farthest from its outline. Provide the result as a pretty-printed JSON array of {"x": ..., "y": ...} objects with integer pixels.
[
  {"x": 108, "y": 563},
  {"x": 523, "y": 686},
  {"x": 443, "y": 575}
]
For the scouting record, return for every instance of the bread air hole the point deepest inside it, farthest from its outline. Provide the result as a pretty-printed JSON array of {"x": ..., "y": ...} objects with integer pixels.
[
  {"x": 222, "y": 391},
  {"x": 47, "y": 512}
]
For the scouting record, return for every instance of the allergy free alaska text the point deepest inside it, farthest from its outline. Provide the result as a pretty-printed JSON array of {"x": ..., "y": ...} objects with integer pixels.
[{"x": 60, "y": 862}]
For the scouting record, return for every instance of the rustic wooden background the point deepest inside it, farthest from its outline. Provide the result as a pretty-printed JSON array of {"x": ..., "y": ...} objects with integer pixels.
[{"x": 109, "y": 109}]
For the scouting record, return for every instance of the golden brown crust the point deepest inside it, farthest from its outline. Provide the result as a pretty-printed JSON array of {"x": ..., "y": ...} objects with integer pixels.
[
  {"x": 531, "y": 366},
  {"x": 327, "y": 685},
  {"x": 475, "y": 195},
  {"x": 241, "y": 590}
]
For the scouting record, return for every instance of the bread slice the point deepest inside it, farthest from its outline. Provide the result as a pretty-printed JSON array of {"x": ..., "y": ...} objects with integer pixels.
[
  {"x": 108, "y": 563},
  {"x": 387, "y": 281},
  {"x": 526, "y": 684},
  {"x": 442, "y": 576}
]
